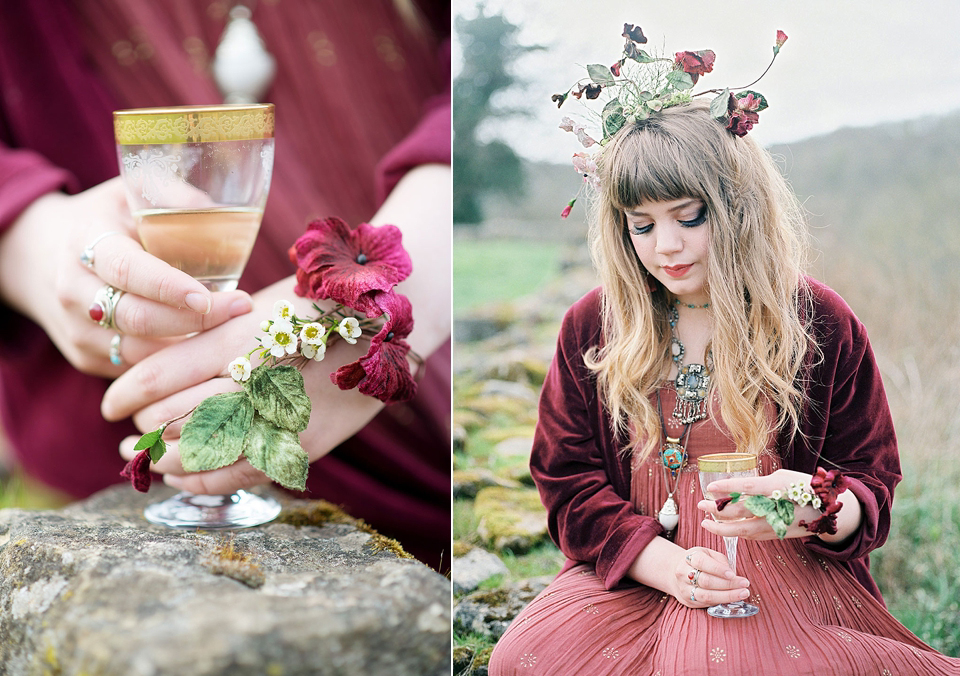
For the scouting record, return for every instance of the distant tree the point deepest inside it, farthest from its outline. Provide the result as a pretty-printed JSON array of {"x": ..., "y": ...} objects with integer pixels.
[{"x": 489, "y": 50}]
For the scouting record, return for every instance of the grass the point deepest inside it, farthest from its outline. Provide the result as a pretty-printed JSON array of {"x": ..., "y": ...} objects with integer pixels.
[{"x": 493, "y": 270}]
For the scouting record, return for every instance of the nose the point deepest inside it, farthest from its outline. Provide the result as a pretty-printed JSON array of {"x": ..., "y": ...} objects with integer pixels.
[{"x": 669, "y": 240}]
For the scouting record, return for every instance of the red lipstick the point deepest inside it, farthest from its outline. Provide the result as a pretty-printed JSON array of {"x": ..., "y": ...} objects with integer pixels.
[{"x": 677, "y": 271}]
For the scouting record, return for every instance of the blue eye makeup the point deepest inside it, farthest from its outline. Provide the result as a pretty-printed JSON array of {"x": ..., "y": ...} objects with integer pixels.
[{"x": 699, "y": 220}]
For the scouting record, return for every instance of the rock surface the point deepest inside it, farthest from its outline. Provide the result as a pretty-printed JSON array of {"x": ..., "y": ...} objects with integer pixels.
[
  {"x": 95, "y": 589},
  {"x": 489, "y": 613},
  {"x": 474, "y": 568}
]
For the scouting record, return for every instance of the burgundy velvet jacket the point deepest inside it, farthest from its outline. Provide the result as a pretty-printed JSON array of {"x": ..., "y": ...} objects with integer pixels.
[{"x": 584, "y": 479}]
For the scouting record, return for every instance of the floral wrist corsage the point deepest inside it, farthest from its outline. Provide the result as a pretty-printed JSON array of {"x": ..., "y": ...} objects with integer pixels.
[
  {"x": 778, "y": 508},
  {"x": 357, "y": 270}
]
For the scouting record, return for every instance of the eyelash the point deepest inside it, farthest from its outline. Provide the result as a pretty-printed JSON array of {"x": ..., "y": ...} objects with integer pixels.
[{"x": 699, "y": 220}]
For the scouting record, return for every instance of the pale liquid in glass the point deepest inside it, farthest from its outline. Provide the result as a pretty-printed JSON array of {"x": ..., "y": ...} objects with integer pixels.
[{"x": 210, "y": 245}]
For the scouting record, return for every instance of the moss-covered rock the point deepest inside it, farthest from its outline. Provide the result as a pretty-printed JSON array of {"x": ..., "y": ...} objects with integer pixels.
[
  {"x": 468, "y": 482},
  {"x": 511, "y": 519}
]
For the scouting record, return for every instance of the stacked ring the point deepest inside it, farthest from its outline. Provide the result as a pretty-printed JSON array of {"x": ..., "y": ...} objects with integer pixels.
[
  {"x": 87, "y": 255},
  {"x": 115, "y": 357},
  {"x": 103, "y": 309},
  {"x": 696, "y": 577}
]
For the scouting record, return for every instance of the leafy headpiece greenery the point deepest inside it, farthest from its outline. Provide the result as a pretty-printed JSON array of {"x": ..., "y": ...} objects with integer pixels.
[{"x": 641, "y": 85}]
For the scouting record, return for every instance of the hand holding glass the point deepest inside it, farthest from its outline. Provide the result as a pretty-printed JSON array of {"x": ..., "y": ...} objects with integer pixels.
[{"x": 713, "y": 467}]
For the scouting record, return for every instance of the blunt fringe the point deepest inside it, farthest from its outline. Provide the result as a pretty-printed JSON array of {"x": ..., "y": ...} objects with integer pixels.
[{"x": 754, "y": 273}]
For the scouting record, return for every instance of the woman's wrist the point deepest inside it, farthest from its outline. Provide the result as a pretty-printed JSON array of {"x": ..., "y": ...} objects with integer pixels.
[{"x": 849, "y": 518}]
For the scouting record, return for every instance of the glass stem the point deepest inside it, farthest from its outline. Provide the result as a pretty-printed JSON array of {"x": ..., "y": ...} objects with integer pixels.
[{"x": 731, "y": 546}]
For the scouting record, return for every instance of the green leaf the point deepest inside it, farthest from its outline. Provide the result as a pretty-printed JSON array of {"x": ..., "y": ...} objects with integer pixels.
[
  {"x": 734, "y": 497},
  {"x": 779, "y": 527},
  {"x": 720, "y": 105},
  {"x": 679, "y": 79},
  {"x": 278, "y": 395},
  {"x": 152, "y": 441},
  {"x": 277, "y": 453},
  {"x": 612, "y": 117},
  {"x": 785, "y": 510},
  {"x": 760, "y": 505},
  {"x": 213, "y": 437},
  {"x": 600, "y": 74},
  {"x": 641, "y": 56}
]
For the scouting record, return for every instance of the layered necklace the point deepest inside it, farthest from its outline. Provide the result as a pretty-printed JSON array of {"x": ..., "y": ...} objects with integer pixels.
[
  {"x": 693, "y": 380},
  {"x": 692, "y": 383}
]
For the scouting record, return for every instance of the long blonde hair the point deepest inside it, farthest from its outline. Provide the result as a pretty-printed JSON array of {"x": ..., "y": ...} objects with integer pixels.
[{"x": 754, "y": 276}]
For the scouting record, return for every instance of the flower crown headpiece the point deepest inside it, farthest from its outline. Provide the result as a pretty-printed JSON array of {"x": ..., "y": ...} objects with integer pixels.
[{"x": 643, "y": 85}]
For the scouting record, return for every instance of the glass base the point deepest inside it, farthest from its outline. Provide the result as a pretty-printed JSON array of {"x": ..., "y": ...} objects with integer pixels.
[
  {"x": 735, "y": 609},
  {"x": 189, "y": 511}
]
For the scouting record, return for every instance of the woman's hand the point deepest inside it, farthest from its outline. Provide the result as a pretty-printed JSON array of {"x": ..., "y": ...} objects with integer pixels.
[
  {"x": 737, "y": 521},
  {"x": 673, "y": 570},
  {"x": 42, "y": 277},
  {"x": 173, "y": 381}
]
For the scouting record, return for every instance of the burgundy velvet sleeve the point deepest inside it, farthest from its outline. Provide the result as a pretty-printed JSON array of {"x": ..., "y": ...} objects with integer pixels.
[
  {"x": 575, "y": 464},
  {"x": 855, "y": 427},
  {"x": 428, "y": 143},
  {"x": 25, "y": 176}
]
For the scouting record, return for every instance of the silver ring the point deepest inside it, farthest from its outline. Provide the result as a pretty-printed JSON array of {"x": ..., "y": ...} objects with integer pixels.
[
  {"x": 693, "y": 595},
  {"x": 104, "y": 308},
  {"x": 688, "y": 558},
  {"x": 87, "y": 255},
  {"x": 696, "y": 577},
  {"x": 115, "y": 357}
]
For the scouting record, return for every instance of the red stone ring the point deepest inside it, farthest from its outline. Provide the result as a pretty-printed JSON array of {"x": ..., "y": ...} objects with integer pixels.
[{"x": 103, "y": 309}]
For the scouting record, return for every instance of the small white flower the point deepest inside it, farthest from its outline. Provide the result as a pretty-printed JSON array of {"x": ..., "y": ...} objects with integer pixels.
[
  {"x": 816, "y": 502},
  {"x": 281, "y": 339},
  {"x": 350, "y": 330},
  {"x": 315, "y": 352},
  {"x": 265, "y": 325},
  {"x": 312, "y": 333},
  {"x": 240, "y": 369},
  {"x": 282, "y": 310},
  {"x": 796, "y": 490},
  {"x": 777, "y": 494},
  {"x": 805, "y": 499}
]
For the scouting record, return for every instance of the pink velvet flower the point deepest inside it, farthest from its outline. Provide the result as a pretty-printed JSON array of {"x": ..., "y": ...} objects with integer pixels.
[
  {"x": 781, "y": 38},
  {"x": 744, "y": 112},
  {"x": 349, "y": 266},
  {"x": 384, "y": 371},
  {"x": 138, "y": 471},
  {"x": 696, "y": 63}
]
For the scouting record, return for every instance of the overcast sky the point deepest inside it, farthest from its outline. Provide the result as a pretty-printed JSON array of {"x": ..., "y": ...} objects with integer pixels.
[{"x": 846, "y": 63}]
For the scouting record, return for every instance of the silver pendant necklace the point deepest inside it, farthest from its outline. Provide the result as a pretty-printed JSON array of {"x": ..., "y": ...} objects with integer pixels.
[
  {"x": 693, "y": 380},
  {"x": 242, "y": 67}
]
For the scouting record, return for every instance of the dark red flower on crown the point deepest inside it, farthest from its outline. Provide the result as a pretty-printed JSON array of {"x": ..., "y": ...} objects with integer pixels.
[
  {"x": 349, "y": 266},
  {"x": 560, "y": 98},
  {"x": 615, "y": 68},
  {"x": 384, "y": 371},
  {"x": 138, "y": 471},
  {"x": 744, "y": 111},
  {"x": 634, "y": 33},
  {"x": 695, "y": 63}
]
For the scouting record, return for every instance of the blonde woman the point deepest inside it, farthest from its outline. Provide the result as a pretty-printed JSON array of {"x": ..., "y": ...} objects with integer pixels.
[{"x": 706, "y": 337}]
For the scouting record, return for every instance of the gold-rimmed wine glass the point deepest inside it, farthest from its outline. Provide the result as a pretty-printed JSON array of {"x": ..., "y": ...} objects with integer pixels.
[
  {"x": 196, "y": 180},
  {"x": 714, "y": 467}
]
